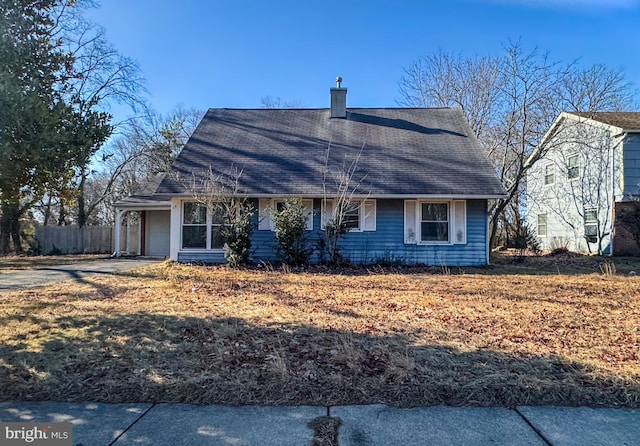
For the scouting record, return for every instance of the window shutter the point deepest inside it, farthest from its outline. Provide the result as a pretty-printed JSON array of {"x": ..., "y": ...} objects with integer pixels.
[
  {"x": 459, "y": 222},
  {"x": 327, "y": 212},
  {"x": 369, "y": 215},
  {"x": 308, "y": 208},
  {"x": 264, "y": 214},
  {"x": 410, "y": 233}
]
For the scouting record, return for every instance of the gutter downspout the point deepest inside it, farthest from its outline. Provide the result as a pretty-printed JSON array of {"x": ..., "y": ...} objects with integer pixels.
[{"x": 622, "y": 136}]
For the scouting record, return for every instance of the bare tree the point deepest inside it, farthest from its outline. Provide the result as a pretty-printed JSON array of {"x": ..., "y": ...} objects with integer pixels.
[
  {"x": 277, "y": 102},
  {"x": 340, "y": 188},
  {"x": 510, "y": 102},
  {"x": 145, "y": 147},
  {"x": 230, "y": 211}
]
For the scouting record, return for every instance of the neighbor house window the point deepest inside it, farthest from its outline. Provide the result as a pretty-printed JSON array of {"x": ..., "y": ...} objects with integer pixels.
[
  {"x": 542, "y": 225},
  {"x": 194, "y": 225},
  {"x": 573, "y": 169},
  {"x": 591, "y": 225},
  {"x": 434, "y": 222},
  {"x": 549, "y": 174}
]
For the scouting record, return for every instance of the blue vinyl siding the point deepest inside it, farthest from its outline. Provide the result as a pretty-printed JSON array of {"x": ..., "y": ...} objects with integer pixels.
[
  {"x": 387, "y": 242},
  {"x": 631, "y": 163}
]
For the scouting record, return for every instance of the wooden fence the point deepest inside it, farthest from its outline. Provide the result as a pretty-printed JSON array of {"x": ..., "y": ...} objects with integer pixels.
[{"x": 74, "y": 240}]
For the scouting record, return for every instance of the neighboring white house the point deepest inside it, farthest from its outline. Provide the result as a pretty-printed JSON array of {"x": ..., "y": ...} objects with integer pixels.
[{"x": 590, "y": 171}]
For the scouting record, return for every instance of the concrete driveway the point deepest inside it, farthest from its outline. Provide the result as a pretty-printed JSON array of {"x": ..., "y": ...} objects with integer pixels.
[{"x": 29, "y": 278}]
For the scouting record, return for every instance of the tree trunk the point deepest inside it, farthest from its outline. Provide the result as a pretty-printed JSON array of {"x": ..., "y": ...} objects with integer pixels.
[
  {"x": 10, "y": 228},
  {"x": 82, "y": 212},
  {"x": 62, "y": 218},
  {"x": 47, "y": 212}
]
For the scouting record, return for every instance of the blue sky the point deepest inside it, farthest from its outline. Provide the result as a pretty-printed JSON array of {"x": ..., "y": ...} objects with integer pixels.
[{"x": 232, "y": 53}]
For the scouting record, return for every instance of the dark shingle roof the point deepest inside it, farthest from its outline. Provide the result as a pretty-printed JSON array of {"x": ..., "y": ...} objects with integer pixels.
[
  {"x": 146, "y": 196},
  {"x": 624, "y": 120},
  {"x": 403, "y": 151}
]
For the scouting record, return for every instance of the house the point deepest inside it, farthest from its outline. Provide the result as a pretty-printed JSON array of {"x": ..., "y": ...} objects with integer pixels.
[
  {"x": 589, "y": 172},
  {"x": 421, "y": 182}
]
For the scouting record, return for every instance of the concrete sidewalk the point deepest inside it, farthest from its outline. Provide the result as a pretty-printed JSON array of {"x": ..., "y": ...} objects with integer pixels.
[
  {"x": 96, "y": 424},
  {"x": 29, "y": 278}
]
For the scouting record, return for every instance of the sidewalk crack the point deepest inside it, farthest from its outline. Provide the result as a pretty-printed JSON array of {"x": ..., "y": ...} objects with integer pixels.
[
  {"x": 535, "y": 429},
  {"x": 132, "y": 424}
]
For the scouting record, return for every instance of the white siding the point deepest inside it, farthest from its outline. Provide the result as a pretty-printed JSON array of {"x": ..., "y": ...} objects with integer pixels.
[{"x": 565, "y": 200}]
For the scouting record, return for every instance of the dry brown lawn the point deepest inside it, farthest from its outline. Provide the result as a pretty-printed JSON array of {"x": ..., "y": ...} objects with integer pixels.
[{"x": 543, "y": 332}]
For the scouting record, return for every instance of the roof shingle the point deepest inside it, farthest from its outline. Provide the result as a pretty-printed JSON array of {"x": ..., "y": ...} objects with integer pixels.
[
  {"x": 624, "y": 120},
  {"x": 399, "y": 151}
]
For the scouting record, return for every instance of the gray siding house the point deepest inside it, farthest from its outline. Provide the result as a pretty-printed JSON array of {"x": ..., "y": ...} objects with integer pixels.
[
  {"x": 420, "y": 179},
  {"x": 590, "y": 171}
]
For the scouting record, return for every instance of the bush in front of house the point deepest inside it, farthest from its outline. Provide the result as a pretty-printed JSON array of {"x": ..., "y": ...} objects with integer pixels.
[
  {"x": 237, "y": 232},
  {"x": 289, "y": 223}
]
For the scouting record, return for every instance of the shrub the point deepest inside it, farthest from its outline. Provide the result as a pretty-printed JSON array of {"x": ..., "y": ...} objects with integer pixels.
[
  {"x": 289, "y": 226},
  {"x": 525, "y": 238},
  {"x": 237, "y": 232}
]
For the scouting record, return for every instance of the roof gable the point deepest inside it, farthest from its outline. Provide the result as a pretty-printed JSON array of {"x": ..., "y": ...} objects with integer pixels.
[
  {"x": 625, "y": 121},
  {"x": 399, "y": 151}
]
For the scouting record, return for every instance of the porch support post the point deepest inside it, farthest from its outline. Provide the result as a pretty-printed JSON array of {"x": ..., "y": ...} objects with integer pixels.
[
  {"x": 118, "y": 233},
  {"x": 175, "y": 228},
  {"x": 139, "y": 252},
  {"x": 128, "y": 251}
]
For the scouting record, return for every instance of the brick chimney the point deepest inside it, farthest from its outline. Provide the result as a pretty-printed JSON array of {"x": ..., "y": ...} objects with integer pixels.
[{"x": 338, "y": 100}]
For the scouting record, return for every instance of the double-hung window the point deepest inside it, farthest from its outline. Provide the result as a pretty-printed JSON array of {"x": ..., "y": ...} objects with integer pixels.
[
  {"x": 542, "y": 225},
  {"x": 217, "y": 227},
  {"x": 194, "y": 225},
  {"x": 434, "y": 222},
  {"x": 573, "y": 167},
  {"x": 351, "y": 215},
  {"x": 591, "y": 225},
  {"x": 549, "y": 175}
]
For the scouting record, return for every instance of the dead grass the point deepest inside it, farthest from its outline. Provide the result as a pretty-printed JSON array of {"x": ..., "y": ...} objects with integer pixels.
[{"x": 212, "y": 335}]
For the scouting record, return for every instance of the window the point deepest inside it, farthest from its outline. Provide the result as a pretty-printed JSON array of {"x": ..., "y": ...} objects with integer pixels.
[
  {"x": 434, "y": 222},
  {"x": 217, "y": 225},
  {"x": 573, "y": 167},
  {"x": 542, "y": 225},
  {"x": 352, "y": 215},
  {"x": 194, "y": 225},
  {"x": 359, "y": 215},
  {"x": 549, "y": 175},
  {"x": 201, "y": 229},
  {"x": 266, "y": 205},
  {"x": 591, "y": 225}
]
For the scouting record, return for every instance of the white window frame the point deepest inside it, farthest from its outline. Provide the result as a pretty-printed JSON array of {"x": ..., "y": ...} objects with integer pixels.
[
  {"x": 591, "y": 222},
  {"x": 546, "y": 175},
  {"x": 183, "y": 225},
  {"x": 538, "y": 224},
  {"x": 362, "y": 204},
  {"x": 208, "y": 227},
  {"x": 267, "y": 205},
  {"x": 419, "y": 222},
  {"x": 569, "y": 167}
]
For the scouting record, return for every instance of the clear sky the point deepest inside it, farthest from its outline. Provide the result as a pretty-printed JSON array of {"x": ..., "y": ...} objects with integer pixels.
[{"x": 232, "y": 53}]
